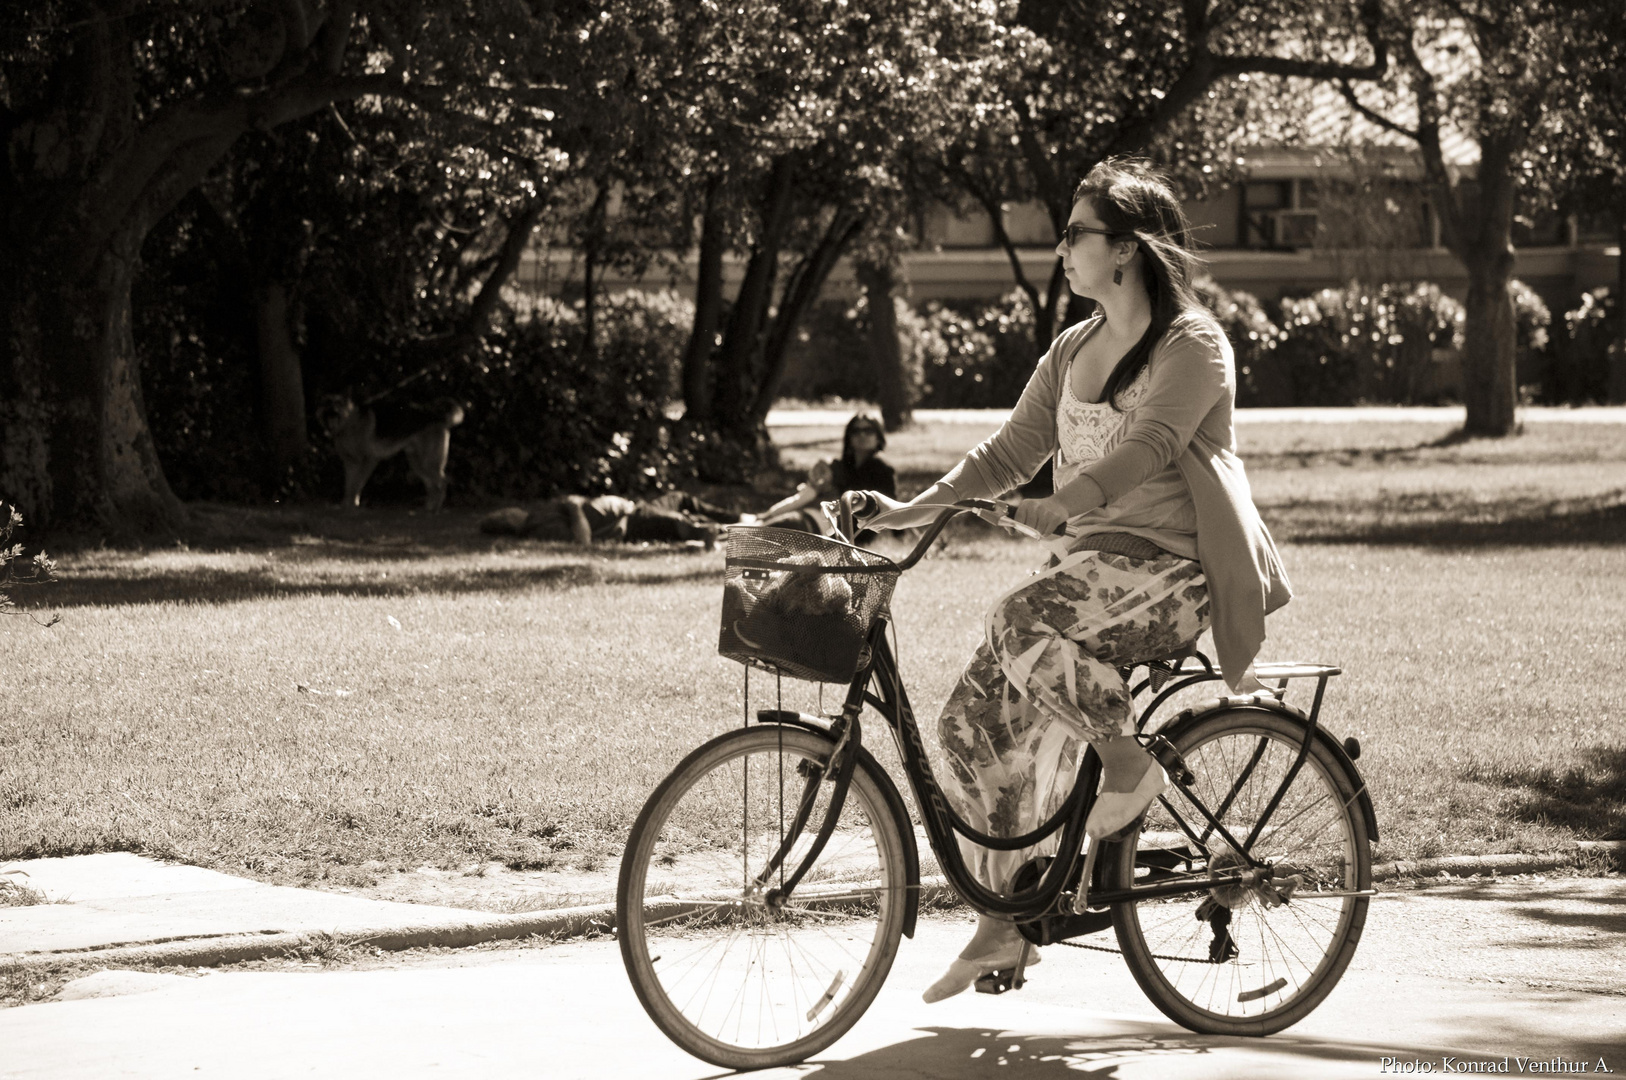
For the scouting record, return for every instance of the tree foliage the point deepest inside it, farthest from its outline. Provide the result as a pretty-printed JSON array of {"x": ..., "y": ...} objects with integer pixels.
[
  {"x": 38, "y": 570},
  {"x": 1503, "y": 77},
  {"x": 1069, "y": 83},
  {"x": 112, "y": 111}
]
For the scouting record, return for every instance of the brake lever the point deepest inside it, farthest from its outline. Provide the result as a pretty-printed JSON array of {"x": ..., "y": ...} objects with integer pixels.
[{"x": 1004, "y": 516}]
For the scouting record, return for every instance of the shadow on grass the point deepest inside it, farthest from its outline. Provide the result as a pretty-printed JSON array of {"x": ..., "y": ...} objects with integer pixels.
[
  {"x": 210, "y": 586},
  {"x": 1595, "y": 521},
  {"x": 321, "y": 531},
  {"x": 1589, "y": 798}
]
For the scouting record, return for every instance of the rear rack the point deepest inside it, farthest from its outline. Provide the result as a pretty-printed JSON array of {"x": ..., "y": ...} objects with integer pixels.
[{"x": 1169, "y": 677}]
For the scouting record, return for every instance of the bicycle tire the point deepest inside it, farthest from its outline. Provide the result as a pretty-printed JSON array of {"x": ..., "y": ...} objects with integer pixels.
[
  {"x": 1290, "y": 955},
  {"x": 705, "y": 957}
]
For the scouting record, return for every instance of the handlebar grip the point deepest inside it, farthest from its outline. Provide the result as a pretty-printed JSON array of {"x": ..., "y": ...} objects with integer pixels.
[{"x": 852, "y": 506}]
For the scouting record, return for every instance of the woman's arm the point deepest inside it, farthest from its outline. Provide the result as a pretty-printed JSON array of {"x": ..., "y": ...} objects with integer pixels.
[{"x": 806, "y": 494}]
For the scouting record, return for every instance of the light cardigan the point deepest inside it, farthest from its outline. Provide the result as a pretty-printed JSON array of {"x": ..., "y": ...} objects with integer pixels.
[{"x": 1185, "y": 418}]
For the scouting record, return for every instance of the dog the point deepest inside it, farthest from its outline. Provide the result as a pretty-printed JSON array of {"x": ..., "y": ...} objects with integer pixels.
[{"x": 364, "y": 437}]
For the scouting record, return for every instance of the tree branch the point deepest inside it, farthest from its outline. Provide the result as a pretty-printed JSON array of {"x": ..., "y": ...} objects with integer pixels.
[
  {"x": 1205, "y": 67},
  {"x": 173, "y": 137},
  {"x": 1303, "y": 69},
  {"x": 799, "y": 293},
  {"x": 335, "y": 35},
  {"x": 1373, "y": 115},
  {"x": 996, "y": 216},
  {"x": 433, "y": 352}
]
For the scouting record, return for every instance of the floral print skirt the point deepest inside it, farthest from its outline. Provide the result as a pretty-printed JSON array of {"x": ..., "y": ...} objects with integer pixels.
[{"x": 1046, "y": 679}]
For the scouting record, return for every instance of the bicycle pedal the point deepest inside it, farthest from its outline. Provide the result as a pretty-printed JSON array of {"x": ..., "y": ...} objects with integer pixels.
[{"x": 999, "y": 982}]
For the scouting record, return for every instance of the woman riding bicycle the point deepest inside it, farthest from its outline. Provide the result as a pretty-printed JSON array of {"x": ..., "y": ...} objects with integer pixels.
[{"x": 1161, "y": 541}]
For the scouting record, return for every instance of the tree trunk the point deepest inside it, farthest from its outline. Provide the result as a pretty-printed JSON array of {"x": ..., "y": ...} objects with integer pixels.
[
  {"x": 739, "y": 360},
  {"x": 25, "y": 477},
  {"x": 708, "y": 309},
  {"x": 879, "y": 282},
  {"x": 800, "y": 291},
  {"x": 1617, "y": 354},
  {"x": 1482, "y": 231},
  {"x": 83, "y": 455},
  {"x": 591, "y": 242},
  {"x": 1489, "y": 379},
  {"x": 282, "y": 385}
]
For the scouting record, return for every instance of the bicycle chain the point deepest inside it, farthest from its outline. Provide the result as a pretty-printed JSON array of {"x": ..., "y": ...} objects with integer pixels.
[{"x": 1120, "y": 952}]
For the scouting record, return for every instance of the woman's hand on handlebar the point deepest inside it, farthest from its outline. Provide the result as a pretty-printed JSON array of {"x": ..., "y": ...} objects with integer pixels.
[{"x": 1044, "y": 516}]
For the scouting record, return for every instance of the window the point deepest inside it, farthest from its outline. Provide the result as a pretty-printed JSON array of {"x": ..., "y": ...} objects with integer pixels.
[
  {"x": 1278, "y": 214},
  {"x": 1540, "y": 228}
]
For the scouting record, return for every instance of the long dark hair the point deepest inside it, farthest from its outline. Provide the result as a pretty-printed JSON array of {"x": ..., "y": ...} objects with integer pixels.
[
  {"x": 1138, "y": 203},
  {"x": 860, "y": 421}
]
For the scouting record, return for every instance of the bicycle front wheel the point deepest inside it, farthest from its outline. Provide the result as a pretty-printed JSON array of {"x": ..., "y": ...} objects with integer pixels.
[
  {"x": 1248, "y": 960},
  {"x": 731, "y": 978}
]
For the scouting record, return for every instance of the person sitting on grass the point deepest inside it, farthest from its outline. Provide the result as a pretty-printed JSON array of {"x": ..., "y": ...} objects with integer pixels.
[
  {"x": 860, "y": 468},
  {"x": 676, "y": 516}
]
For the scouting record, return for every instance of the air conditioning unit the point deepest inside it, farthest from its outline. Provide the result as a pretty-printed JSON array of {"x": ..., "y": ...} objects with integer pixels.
[{"x": 1295, "y": 228}]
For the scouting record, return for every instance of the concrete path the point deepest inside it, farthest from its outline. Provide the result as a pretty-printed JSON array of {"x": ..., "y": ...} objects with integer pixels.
[
  {"x": 1387, "y": 414},
  {"x": 1469, "y": 971},
  {"x": 567, "y": 1012},
  {"x": 119, "y": 907}
]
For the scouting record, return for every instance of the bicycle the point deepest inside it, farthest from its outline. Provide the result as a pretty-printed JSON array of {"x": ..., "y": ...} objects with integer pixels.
[{"x": 766, "y": 883}]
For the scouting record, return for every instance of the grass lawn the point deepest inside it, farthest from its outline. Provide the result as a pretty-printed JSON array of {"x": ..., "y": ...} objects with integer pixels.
[{"x": 307, "y": 695}]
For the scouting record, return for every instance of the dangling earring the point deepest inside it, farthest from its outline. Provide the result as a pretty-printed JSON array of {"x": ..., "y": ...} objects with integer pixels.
[{"x": 1118, "y": 276}]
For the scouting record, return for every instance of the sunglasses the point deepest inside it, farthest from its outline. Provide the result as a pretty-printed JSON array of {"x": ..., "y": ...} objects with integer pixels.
[{"x": 1074, "y": 233}]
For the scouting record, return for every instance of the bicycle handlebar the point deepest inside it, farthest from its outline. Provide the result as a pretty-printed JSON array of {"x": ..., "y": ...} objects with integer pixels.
[{"x": 855, "y": 504}]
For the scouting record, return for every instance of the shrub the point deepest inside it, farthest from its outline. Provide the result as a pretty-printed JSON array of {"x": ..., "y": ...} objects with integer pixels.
[
  {"x": 1254, "y": 337},
  {"x": 194, "y": 338},
  {"x": 1532, "y": 319},
  {"x": 829, "y": 356},
  {"x": 1365, "y": 344},
  {"x": 977, "y": 355},
  {"x": 1575, "y": 368},
  {"x": 542, "y": 418},
  {"x": 37, "y": 571}
]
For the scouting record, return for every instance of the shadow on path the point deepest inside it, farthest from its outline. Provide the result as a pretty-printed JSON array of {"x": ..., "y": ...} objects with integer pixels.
[
  {"x": 1547, "y": 902},
  {"x": 1149, "y": 1049}
]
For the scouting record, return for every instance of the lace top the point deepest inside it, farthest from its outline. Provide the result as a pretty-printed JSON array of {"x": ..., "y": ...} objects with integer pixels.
[{"x": 1087, "y": 430}]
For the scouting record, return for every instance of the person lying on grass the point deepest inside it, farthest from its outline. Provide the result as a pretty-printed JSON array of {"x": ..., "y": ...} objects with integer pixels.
[
  {"x": 1160, "y": 540},
  {"x": 674, "y": 517}
]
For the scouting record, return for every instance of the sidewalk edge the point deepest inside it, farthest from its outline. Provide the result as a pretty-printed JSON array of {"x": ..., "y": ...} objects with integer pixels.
[
  {"x": 564, "y": 923},
  {"x": 239, "y": 948}
]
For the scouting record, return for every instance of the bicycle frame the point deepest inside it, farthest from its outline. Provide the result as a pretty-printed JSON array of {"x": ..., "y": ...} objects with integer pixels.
[{"x": 943, "y": 824}]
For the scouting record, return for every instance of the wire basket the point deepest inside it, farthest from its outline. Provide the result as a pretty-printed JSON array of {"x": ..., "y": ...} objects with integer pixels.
[{"x": 800, "y": 604}]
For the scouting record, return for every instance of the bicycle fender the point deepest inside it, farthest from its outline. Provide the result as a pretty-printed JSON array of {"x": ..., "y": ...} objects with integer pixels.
[
  {"x": 889, "y": 792},
  {"x": 1265, "y": 703}
]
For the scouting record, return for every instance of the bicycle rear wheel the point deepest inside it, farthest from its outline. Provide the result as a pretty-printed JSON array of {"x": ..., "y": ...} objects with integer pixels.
[
  {"x": 728, "y": 977},
  {"x": 1247, "y": 961}
]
